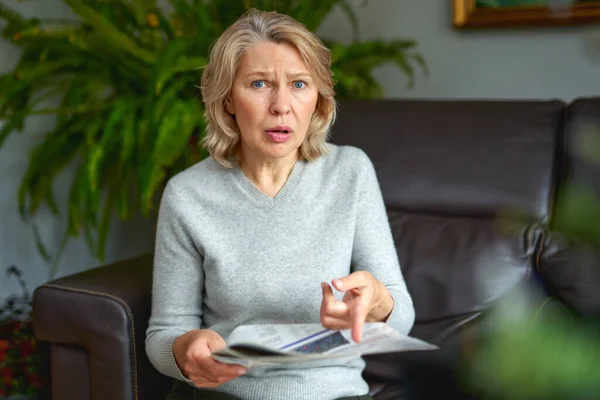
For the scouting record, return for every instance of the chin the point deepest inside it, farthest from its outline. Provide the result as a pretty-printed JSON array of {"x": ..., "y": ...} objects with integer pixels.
[{"x": 281, "y": 150}]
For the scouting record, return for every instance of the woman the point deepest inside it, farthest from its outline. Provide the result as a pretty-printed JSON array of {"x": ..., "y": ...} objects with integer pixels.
[{"x": 259, "y": 231}]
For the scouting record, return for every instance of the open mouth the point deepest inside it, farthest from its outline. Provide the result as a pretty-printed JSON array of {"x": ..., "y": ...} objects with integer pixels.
[
  {"x": 280, "y": 130},
  {"x": 279, "y": 135}
]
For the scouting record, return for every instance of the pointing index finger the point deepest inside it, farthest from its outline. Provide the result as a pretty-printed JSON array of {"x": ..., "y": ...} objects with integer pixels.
[{"x": 359, "y": 315}]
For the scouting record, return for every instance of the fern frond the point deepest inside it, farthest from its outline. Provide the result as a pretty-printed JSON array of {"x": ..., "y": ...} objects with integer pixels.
[{"x": 112, "y": 36}]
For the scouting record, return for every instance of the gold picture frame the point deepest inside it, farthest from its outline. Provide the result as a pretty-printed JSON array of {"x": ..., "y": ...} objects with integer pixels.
[{"x": 467, "y": 14}]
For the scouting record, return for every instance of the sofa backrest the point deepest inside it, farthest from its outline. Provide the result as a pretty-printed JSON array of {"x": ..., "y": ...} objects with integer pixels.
[
  {"x": 448, "y": 171},
  {"x": 458, "y": 157}
]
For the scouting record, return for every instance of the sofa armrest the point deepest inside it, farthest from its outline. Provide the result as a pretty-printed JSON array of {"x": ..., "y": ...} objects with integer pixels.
[{"x": 95, "y": 322}]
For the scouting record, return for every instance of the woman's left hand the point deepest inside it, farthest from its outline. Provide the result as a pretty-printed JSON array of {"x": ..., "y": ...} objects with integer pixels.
[{"x": 365, "y": 299}]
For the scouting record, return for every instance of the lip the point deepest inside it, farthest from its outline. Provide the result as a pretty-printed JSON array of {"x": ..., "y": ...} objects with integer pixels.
[
  {"x": 278, "y": 137},
  {"x": 280, "y": 129}
]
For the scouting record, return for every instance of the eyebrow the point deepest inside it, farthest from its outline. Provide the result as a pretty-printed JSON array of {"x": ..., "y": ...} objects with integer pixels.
[{"x": 293, "y": 75}]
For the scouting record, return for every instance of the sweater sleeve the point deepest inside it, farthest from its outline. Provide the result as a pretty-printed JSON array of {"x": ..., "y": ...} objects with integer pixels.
[
  {"x": 177, "y": 284},
  {"x": 374, "y": 248}
]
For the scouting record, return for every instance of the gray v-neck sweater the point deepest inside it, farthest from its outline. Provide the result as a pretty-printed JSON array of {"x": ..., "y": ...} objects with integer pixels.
[{"x": 227, "y": 254}]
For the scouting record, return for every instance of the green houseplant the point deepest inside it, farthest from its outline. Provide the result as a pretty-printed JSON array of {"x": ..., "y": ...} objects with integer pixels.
[{"x": 125, "y": 74}]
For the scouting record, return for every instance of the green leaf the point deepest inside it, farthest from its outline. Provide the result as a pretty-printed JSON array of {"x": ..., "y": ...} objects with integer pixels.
[
  {"x": 105, "y": 220},
  {"x": 147, "y": 5},
  {"x": 420, "y": 60},
  {"x": 174, "y": 60},
  {"x": 183, "y": 65},
  {"x": 128, "y": 135},
  {"x": 30, "y": 73},
  {"x": 34, "y": 36},
  {"x": 104, "y": 147},
  {"x": 175, "y": 131},
  {"x": 39, "y": 243},
  {"x": 7, "y": 128},
  {"x": 47, "y": 159},
  {"x": 55, "y": 263},
  {"x": 13, "y": 17},
  {"x": 12, "y": 91},
  {"x": 75, "y": 211},
  {"x": 124, "y": 200},
  {"x": 311, "y": 12},
  {"x": 155, "y": 177},
  {"x": 177, "y": 125},
  {"x": 81, "y": 216},
  {"x": 407, "y": 68},
  {"x": 166, "y": 99},
  {"x": 50, "y": 200},
  {"x": 111, "y": 35}
]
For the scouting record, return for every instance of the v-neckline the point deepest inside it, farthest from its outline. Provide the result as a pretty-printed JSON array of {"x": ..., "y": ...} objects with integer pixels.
[{"x": 261, "y": 198}]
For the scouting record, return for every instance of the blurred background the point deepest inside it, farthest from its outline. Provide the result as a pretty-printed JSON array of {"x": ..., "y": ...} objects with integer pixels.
[
  {"x": 407, "y": 49},
  {"x": 527, "y": 63}
]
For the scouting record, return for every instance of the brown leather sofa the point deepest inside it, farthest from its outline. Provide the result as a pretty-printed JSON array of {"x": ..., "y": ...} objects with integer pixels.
[{"x": 448, "y": 170}]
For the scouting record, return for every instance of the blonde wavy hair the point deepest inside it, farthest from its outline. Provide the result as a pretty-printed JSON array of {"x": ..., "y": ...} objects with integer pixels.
[{"x": 222, "y": 138}]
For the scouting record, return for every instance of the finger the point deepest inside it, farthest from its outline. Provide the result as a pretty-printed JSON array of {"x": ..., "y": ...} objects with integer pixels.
[
  {"x": 206, "y": 366},
  {"x": 211, "y": 373},
  {"x": 199, "y": 350},
  {"x": 336, "y": 324},
  {"x": 336, "y": 309},
  {"x": 327, "y": 293},
  {"x": 219, "y": 369},
  {"x": 328, "y": 298},
  {"x": 358, "y": 316},
  {"x": 198, "y": 354},
  {"x": 332, "y": 308},
  {"x": 216, "y": 343},
  {"x": 355, "y": 280}
]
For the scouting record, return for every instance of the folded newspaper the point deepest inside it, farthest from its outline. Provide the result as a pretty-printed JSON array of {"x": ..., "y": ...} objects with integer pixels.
[{"x": 280, "y": 344}]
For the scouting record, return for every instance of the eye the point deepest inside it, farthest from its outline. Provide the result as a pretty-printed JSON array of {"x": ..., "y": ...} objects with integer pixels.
[
  {"x": 258, "y": 84},
  {"x": 299, "y": 84}
]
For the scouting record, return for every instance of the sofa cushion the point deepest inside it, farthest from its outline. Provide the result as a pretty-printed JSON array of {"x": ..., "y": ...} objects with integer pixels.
[{"x": 456, "y": 266}]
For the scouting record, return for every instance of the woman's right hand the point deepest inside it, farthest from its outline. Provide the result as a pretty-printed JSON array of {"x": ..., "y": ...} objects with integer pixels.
[{"x": 192, "y": 352}]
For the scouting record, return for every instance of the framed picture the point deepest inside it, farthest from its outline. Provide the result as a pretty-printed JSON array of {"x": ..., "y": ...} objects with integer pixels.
[{"x": 511, "y": 13}]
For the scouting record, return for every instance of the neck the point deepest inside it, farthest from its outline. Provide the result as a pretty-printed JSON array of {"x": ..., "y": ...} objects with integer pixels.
[{"x": 268, "y": 175}]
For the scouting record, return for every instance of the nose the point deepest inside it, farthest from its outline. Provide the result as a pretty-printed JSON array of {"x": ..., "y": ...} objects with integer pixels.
[{"x": 280, "y": 102}]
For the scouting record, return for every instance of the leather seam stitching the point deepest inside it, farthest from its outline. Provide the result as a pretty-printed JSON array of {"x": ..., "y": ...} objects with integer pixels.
[{"x": 129, "y": 315}]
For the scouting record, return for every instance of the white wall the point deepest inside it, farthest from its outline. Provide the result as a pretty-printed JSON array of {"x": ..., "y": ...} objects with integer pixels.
[{"x": 524, "y": 63}]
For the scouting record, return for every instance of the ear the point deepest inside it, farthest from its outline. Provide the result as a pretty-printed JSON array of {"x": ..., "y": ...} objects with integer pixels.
[{"x": 229, "y": 106}]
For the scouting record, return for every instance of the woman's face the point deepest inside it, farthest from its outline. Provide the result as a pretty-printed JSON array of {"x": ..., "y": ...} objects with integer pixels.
[{"x": 273, "y": 98}]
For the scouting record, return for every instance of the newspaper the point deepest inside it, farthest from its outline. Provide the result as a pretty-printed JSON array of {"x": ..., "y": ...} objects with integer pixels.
[{"x": 278, "y": 345}]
